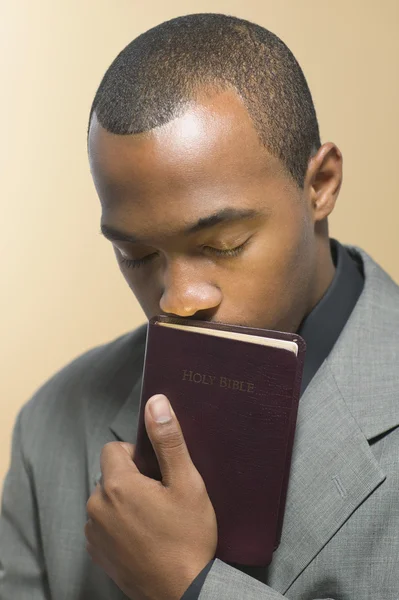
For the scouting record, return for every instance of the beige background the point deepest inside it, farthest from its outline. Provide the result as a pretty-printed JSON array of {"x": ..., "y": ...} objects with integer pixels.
[{"x": 61, "y": 290}]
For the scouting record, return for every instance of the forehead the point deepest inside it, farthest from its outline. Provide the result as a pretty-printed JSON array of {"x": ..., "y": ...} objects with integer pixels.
[
  {"x": 207, "y": 156},
  {"x": 218, "y": 127}
]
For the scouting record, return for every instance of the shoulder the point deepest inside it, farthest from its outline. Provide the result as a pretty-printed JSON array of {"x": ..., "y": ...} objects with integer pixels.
[
  {"x": 95, "y": 382},
  {"x": 365, "y": 358},
  {"x": 380, "y": 289}
]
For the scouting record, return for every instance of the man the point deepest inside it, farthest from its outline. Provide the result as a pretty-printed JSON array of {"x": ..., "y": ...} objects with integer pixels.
[{"x": 215, "y": 193}]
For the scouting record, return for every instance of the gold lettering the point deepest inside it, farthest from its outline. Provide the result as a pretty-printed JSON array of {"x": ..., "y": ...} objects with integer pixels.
[
  {"x": 187, "y": 375},
  {"x": 223, "y": 382},
  {"x": 235, "y": 384}
]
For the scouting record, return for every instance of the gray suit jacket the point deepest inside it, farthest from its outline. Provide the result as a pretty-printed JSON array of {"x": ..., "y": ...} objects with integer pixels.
[{"x": 341, "y": 530}]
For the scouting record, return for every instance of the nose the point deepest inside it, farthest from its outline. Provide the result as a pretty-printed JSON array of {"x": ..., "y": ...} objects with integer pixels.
[{"x": 187, "y": 292}]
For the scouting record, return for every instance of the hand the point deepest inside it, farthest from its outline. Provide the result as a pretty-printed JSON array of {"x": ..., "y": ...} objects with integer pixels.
[{"x": 152, "y": 538}]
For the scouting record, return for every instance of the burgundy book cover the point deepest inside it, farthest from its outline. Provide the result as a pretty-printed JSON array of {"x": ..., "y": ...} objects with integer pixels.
[{"x": 237, "y": 404}]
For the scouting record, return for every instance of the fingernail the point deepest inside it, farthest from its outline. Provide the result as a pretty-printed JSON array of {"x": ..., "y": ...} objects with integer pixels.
[{"x": 160, "y": 408}]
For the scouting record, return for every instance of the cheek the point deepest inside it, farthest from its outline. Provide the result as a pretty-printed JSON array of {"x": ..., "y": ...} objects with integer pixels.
[
  {"x": 289, "y": 243},
  {"x": 145, "y": 292},
  {"x": 140, "y": 280},
  {"x": 282, "y": 254},
  {"x": 145, "y": 287},
  {"x": 272, "y": 286}
]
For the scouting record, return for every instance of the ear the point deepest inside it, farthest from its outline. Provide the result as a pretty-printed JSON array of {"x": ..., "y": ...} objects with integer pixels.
[{"x": 323, "y": 180}]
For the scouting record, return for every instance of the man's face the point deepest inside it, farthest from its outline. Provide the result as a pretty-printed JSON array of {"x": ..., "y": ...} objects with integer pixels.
[{"x": 205, "y": 223}]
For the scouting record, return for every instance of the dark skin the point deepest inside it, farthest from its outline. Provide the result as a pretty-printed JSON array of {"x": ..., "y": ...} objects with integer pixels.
[{"x": 205, "y": 223}]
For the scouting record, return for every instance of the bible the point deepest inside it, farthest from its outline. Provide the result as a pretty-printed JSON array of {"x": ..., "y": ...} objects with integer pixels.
[{"x": 235, "y": 391}]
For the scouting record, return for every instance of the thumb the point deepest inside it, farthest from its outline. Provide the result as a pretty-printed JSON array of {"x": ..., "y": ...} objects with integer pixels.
[{"x": 167, "y": 440}]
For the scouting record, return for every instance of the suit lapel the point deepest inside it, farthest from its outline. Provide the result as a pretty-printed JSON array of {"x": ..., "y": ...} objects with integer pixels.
[
  {"x": 124, "y": 426},
  {"x": 352, "y": 399},
  {"x": 115, "y": 415},
  {"x": 333, "y": 471}
]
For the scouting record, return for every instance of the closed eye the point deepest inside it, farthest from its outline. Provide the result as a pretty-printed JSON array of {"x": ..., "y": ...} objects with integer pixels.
[
  {"x": 228, "y": 251},
  {"x": 131, "y": 263}
]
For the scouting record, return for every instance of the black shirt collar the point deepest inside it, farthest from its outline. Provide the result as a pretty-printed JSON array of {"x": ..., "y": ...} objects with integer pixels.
[{"x": 322, "y": 327}]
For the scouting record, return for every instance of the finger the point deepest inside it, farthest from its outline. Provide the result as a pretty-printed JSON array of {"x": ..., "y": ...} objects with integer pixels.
[
  {"x": 116, "y": 459},
  {"x": 93, "y": 553},
  {"x": 167, "y": 440},
  {"x": 129, "y": 448},
  {"x": 89, "y": 531}
]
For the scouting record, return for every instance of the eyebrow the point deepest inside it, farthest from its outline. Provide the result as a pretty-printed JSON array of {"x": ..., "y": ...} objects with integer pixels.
[{"x": 226, "y": 215}]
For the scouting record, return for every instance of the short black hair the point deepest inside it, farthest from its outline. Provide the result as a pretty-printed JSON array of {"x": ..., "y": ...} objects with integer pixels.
[{"x": 151, "y": 81}]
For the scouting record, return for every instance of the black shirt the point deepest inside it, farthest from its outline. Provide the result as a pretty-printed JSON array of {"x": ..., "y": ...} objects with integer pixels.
[{"x": 320, "y": 330}]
